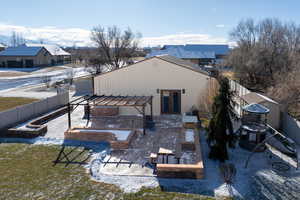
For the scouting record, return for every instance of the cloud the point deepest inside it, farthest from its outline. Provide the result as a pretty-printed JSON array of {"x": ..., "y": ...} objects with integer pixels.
[
  {"x": 220, "y": 26},
  {"x": 81, "y": 37},
  {"x": 183, "y": 39},
  {"x": 61, "y": 36}
]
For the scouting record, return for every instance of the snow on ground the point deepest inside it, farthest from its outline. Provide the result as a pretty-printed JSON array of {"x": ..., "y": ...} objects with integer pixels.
[
  {"x": 243, "y": 186},
  {"x": 12, "y": 83},
  {"x": 256, "y": 182}
]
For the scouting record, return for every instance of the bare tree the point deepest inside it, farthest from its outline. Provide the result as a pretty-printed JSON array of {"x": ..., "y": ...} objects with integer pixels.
[
  {"x": 115, "y": 47},
  {"x": 264, "y": 49},
  {"x": 17, "y": 39}
]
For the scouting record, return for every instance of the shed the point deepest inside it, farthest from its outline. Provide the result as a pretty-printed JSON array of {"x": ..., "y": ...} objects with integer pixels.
[
  {"x": 273, "y": 106},
  {"x": 175, "y": 84}
]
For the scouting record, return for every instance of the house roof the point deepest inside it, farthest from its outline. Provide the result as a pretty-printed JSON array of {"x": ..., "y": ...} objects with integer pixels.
[
  {"x": 219, "y": 49},
  {"x": 2, "y": 45},
  {"x": 190, "y": 51},
  {"x": 21, "y": 51},
  {"x": 54, "y": 50},
  {"x": 170, "y": 59},
  {"x": 181, "y": 52},
  {"x": 254, "y": 97}
]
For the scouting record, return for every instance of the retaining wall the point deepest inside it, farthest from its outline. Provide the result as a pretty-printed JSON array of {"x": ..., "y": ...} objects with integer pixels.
[{"x": 12, "y": 117}]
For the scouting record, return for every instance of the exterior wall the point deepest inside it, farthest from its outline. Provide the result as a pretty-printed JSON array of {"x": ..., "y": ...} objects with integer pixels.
[
  {"x": 274, "y": 115},
  {"x": 42, "y": 59},
  {"x": 194, "y": 61},
  {"x": 146, "y": 77}
]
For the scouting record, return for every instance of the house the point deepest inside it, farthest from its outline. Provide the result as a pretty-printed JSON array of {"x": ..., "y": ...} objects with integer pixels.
[
  {"x": 273, "y": 118},
  {"x": 199, "y": 54},
  {"x": 176, "y": 85},
  {"x": 2, "y": 47},
  {"x": 31, "y": 55},
  {"x": 58, "y": 55}
]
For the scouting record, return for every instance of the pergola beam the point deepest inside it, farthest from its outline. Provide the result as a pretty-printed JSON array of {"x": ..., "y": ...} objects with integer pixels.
[{"x": 120, "y": 101}]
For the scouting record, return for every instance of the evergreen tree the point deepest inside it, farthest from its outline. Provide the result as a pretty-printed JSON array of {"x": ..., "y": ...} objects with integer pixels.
[{"x": 220, "y": 130}]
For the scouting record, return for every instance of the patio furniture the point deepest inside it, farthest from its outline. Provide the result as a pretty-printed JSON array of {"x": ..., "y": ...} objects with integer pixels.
[{"x": 165, "y": 152}]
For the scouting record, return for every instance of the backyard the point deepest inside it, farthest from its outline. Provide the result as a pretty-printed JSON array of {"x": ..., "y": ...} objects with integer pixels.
[
  {"x": 31, "y": 174},
  {"x": 12, "y": 102}
]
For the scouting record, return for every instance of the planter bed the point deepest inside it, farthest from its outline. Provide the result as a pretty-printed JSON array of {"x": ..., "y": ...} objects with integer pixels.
[{"x": 36, "y": 127}]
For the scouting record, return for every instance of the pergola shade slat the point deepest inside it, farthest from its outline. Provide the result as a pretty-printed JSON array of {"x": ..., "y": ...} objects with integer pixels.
[{"x": 120, "y": 101}]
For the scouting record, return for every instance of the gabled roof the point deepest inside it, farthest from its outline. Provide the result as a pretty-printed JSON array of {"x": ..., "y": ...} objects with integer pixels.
[
  {"x": 21, "y": 51},
  {"x": 181, "y": 52},
  {"x": 254, "y": 97},
  {"x": 54, "y": 50},
  {"x": 170, "y": 59}
]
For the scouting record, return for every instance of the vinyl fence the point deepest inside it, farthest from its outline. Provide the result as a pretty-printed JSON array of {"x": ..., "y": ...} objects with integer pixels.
[
  {"x": 291, "y": 127},
  {"x": 26, "y": 112},
  {"x": 239, "y": 91}
]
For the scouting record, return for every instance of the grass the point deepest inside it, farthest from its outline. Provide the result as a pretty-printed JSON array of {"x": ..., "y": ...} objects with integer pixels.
[
  {"x": 27, "y": 172},
  {"x": 12, "y": 102}
]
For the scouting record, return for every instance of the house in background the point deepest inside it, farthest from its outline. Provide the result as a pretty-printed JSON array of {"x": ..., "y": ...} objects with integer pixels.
[
  {"x": 176, "y": 85},
  {"x": 58, "y": 55},
  {"x": 199, "y": 54},
  {"x": 2, "y": 47},
  {"x": 33, "y": 55}
]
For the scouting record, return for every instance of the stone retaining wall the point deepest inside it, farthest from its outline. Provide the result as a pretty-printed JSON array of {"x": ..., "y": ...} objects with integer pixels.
[{"x": 195, "y": 171}]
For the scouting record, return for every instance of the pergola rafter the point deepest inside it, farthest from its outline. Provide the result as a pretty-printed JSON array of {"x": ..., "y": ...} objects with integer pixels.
[{"x": 138, "y": 102}]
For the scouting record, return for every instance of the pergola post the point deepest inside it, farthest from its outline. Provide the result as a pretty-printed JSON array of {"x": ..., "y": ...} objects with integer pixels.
[
  {"x": 151, "y": 107},
  {"x": 144, "y": 120},
  {"x": 69, "y": 116},
  {"x": 88, "y": 108}
]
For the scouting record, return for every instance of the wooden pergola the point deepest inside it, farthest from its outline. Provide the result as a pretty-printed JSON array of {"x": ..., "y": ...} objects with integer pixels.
[{"x": 137, "y": 102}]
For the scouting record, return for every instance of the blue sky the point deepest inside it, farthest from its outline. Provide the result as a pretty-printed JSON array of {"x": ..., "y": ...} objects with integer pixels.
[{"x": 159, "y": 21}]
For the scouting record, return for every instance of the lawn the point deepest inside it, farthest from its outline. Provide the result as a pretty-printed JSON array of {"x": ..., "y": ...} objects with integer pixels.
[
  {"x": 12, "y": 102},
  {"x": 28, "y": 172}
]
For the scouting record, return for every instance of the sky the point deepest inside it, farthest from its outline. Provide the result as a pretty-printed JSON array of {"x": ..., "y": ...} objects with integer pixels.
[{"x": 68, "y": 22}]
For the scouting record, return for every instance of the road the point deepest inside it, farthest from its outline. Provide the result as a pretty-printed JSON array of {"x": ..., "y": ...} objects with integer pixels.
[{"x": 8, "y": 83}]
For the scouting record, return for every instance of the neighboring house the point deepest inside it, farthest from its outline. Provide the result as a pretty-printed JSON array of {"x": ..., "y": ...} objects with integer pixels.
[
  {"x": 2, "y": 47},
  {"x": 176, "y": 85},
  {"x": 273, "y": 106},
  {"x": 59, "y": 56},
  {"x": 199, "y": 54},
  {"x": 32, "y": 55}
]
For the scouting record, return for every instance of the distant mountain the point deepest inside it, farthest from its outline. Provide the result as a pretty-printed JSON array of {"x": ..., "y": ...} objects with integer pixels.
[
  {"x": 7, "y": 40},
  {"x": 4, "y": 39}
]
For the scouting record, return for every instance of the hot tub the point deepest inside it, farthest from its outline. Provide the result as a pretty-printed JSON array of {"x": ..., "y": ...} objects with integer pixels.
[{"x": 118, "y": 138}]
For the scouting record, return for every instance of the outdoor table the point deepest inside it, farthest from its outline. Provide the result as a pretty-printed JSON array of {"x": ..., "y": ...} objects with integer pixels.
[{"x": 165, "y": 152}]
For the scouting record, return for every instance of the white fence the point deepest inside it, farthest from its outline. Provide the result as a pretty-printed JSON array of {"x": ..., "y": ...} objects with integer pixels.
[
  {"x": 291, "y": 127},
  {"x": 26, "y": 112},
  {"x": 239, "y": 91}
]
